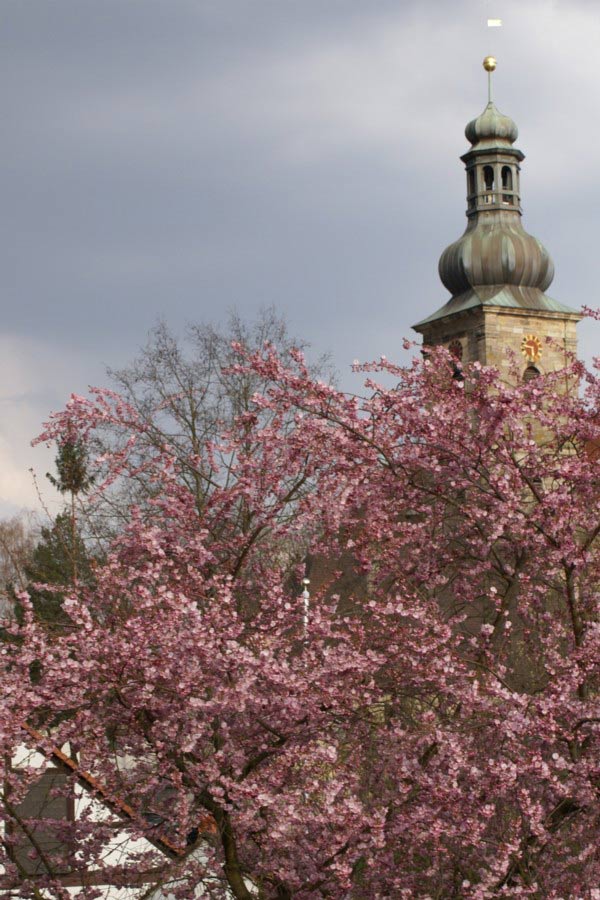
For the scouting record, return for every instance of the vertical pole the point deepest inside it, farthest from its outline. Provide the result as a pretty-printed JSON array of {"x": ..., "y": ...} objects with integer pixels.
[{"x": 305, "y": 605}]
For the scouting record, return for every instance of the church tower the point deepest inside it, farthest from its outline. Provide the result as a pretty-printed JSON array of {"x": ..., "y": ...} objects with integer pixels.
[{"x": 496, "y": 273}]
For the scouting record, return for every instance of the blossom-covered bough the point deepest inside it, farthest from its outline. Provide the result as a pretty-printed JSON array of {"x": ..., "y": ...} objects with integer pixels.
[{"x": 437, "y": 737}]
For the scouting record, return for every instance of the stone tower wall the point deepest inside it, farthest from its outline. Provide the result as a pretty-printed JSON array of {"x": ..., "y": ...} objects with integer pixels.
[{"x": 494, "y": 337}]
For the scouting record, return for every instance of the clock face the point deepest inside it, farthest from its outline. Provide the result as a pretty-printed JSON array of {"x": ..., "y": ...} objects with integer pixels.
[{"x": 531, "y": 347}]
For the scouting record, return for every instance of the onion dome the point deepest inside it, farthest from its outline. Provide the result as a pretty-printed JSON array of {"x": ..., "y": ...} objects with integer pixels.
[
  {"x": 496, "y": 252},
  {"x": 491, "y": 129}
]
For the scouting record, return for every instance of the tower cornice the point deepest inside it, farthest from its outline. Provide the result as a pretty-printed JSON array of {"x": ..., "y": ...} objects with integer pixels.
[{"x": 497, "y": 151}]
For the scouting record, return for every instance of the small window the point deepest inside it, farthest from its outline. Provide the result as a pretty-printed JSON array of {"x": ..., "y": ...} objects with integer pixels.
[
  {"x": 472, "y": 185},
  {"x": 530, "y": 373}
]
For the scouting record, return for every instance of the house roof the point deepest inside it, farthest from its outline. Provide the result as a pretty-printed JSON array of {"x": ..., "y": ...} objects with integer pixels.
[{"x": 116, "y": 804}]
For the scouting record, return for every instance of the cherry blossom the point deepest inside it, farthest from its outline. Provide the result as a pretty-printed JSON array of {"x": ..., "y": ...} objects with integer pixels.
[{"x": 428, "y": 726}]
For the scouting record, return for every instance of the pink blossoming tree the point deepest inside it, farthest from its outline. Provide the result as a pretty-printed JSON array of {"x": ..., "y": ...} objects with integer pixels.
[{"x": 436, "y": 736}]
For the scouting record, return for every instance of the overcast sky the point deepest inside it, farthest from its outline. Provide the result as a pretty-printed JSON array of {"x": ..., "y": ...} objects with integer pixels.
[{"x": 177, "y": 158}]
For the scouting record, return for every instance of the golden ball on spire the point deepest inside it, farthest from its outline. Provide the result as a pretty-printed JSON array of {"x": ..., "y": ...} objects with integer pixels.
[{"x": 489, "y": 63}]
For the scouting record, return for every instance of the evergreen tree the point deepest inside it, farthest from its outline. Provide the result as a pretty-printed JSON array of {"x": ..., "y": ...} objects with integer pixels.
[
  {"x": 60, "y": 559},
  {"x": 71, "y": 478}
]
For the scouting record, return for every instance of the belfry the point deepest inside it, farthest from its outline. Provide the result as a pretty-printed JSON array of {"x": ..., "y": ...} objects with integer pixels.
[{"x": 496, "y": 272}]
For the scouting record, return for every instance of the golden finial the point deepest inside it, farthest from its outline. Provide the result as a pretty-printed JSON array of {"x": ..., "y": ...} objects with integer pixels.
[{"x": 489, "y": 64}]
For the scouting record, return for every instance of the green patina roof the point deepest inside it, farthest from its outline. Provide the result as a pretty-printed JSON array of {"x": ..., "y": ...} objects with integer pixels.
[{"x": 507, "y": 296}]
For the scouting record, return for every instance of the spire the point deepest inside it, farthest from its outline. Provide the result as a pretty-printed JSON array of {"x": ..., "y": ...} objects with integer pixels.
[
  {"x": 492, "y": 163},
  {"x": 497, "y": 273},
  {"x": 495, "y": 261}
]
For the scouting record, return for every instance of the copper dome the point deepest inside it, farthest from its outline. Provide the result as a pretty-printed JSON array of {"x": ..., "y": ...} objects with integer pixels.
[
  {"x": 498, "y": 251},
  {"x": 491, "y": 129}
]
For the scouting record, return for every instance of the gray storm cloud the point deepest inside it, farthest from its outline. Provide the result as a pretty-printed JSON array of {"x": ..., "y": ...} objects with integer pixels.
[{"x": 177, "y": 158}]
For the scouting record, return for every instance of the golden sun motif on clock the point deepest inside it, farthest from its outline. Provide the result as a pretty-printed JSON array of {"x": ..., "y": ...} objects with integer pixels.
[{"x": 531, "y": 347}]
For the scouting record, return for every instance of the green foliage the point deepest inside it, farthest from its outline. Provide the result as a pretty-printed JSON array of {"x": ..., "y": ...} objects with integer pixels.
[
  {"x": 71, "y": 467},
  {"x": 58, "y": 559}
]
